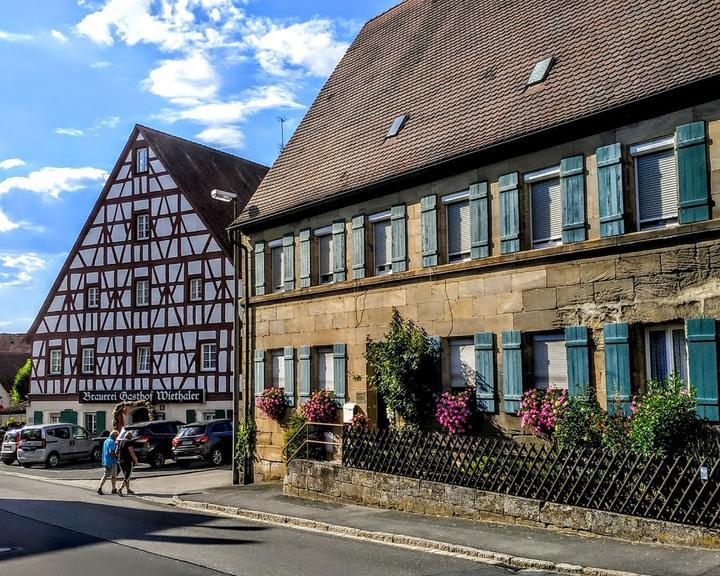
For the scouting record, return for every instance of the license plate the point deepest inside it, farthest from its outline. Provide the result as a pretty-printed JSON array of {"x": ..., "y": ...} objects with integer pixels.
[{"x": 187, "y": 442}]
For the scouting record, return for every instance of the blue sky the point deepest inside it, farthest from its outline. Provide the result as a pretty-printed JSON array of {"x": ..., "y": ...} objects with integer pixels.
[{"x": 78, "y": 74}]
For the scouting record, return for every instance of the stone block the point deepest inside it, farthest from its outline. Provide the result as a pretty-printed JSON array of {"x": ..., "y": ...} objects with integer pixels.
[
  {"x": 462, "y": 307},
  {"x": 522, "y": 508},
  {"x": 573, "y": 295},
  {"x": 508, "y": 303},
  {"x": 471, "y": 287},
  {"x": 394, "y": 297},
  {"x": 529, "y": 280},
  {"x": 564, "y": 516},
  {"x": 286, "y": 312},
  {"x": 459, "y": 496},
  {"x": 657, "y": 286},
  {"x": 485, "y": 305},
  {"x": 563, "y": 276},
  {"x": 613, "y": 291},
  {"x": 597, "y": 271},
  {"x": 501, "y": 284},
  {"x": 683, "y": 259},
  {"x": 351, "y": 492},
  {"x": 539, "y": 299},
  {"x": 535, "y": 321},
  {"x": 432, "y": 311},
  {"x": 489, "y": 502},
  {"x": 633, "y": 266},
  {"x": 373, "y": 300}
]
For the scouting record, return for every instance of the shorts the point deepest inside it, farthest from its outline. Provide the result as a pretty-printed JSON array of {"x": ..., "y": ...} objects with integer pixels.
[{"x": 111, "y": 471}]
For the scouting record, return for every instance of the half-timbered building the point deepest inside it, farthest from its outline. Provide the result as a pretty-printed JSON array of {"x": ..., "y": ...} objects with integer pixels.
[{"x": 142, "y": 309}]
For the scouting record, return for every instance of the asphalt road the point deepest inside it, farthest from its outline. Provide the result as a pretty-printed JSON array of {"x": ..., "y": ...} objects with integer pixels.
[{"x": 57, "y": 530}]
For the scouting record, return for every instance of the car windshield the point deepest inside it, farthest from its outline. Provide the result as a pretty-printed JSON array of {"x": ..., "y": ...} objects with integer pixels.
[
  {"x": 31, "y": 434},
  {"x": 135, "y": 432},
  {"x": 10, "y": 436},
  {"x": 191, "y": 431}
]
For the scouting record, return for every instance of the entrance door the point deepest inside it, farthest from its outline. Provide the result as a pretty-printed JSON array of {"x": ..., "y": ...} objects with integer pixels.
[{"x": 140, "y": 415}]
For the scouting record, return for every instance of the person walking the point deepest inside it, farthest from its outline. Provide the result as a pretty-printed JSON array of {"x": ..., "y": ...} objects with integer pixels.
[
  {"x": 109, "y": 461},
  {"x": 128, "y": 460}
]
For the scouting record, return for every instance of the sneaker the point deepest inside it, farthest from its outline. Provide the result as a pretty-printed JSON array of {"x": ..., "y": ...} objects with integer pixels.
[
  {"x": 114, "y": 491},
  {"x": 120, "y": 493},
  {"x": 100, "y": 492},
  {"x": 130, "y": 491}
]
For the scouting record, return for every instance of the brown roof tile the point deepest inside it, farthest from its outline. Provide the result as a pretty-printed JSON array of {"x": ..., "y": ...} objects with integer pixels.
[
  {"x": 459, "y": 69},
  {"x": 13, "y": 343}
]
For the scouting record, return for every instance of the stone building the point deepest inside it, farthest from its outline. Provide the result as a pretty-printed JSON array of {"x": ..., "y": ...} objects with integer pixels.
[
  {"x": 534, "y": 185},
  {"x": 142, "y": 309}
]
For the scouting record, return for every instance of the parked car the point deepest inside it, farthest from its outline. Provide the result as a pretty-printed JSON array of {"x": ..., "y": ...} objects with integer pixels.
[
  {"x": 8, "y": 451},
  {"x": 152, "y": 441},
  {"x": 210, "y": 441},
  {"x": 50, "y": 443}
]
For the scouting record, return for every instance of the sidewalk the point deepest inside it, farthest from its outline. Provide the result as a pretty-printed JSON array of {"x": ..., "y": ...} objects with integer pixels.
[{"x": 547, "y": 545}]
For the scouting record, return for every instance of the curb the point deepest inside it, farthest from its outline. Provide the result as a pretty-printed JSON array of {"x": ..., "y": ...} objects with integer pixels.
[{"x": 413, "y": 542}]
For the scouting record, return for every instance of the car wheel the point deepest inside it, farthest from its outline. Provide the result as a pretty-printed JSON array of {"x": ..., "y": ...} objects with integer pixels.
[
  {"x": 157, "y": 460},
  {"x": 52, "y": 460},
  {"x": 8, "y": 461},
  {"x": 216, "y": 457},
  {"x": 95, "y": 454}
]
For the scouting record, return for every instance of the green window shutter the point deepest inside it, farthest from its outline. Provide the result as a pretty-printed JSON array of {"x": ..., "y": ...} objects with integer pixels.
[
  {"x": 617, "y": 367},
  {"x": 37, "y": 417},
  {"x": 485, "y": 369},
  {"x": 578, "y": 359},
  {"x": 289, "y": 358},
  {"x": 399, "y": 238},
  {"x": 219, "y": 413},
  {"x": 68, "y": 417},
  {"x": 338, "y": 234},
  {"x": 100, "y": 421},
  {"x": 339, "y": 370},
  {"x": 703, "y": 365},
  {"x": 509, "y": 213},
  {"x": 259, "y": 268},
  {"x": 693, "y": 184},
  {"x": 479, "y": 221},
  {"x": 305, "y": 258},
  {"x": 610, "y": 190},
  {"x": 428, "y": 230},
  {"x": 512, "y": 371},
  {"x": 305, "y": 373},
  {"x": 190, "y": 416},
  {"x": 358, "y": 246},
  {"x": 572, "y": 186},
  {"x": 259, "y": 363},
  {"x": 289, "y": 261}
]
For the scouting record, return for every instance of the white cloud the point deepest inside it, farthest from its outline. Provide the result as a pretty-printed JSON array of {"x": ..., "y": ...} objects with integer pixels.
[
  {"x": 224, "y": 136},
  {"x": 59, "y": 36},
  {"x": 185, "y": 81},
  {"x": 11, "y": 163},
  {"x": 18, "y": 269},
  {"x": 7, "y": 225},
  {"x": 13, "y": 37},
  {"x": 100, "y": 64},
  {"x": 52, "y": 182},
  {"x": 69, "y": 132},
  {"x": 107, "y": 122}
]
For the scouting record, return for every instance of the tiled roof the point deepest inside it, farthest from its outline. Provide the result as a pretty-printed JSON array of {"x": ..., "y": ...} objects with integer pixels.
[
  {"x": 459, "y": 69},
  {"x": 13, "y": 343}
]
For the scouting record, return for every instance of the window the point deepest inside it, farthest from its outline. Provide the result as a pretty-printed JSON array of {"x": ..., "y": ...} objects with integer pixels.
[
  {"x": 54, "y": 419},
  {"x": 93, "y": 297},
  {"x": 462, "y": 363},
  {"x": 277, "y": 360},
  {"x": 196, "y": 289},
  {"x": 142, "y": 292},
  {"x": 396, "y": 126},
  {"x": 550, "y": 361},
  {"x": 208, "y": 416},
  {"x": 142, "y": 227},
  {"x": 143, "y": 359},
  {"x": 326, "y": 371},
  {"x": 208, "y": 353},
  {"x": 656, "y": 182},
  {"x": 457, "y": 213},
  {"x": 91, "y": 422},
  {"x": 325, "y": 254},
  {"x": 141, "y": 160},
  {"x": 545, "y": 207},
  {"x": 666, "y": 352},
  {"x": 88, "y": 360},
  {"x": 276, "y": 265},
  {"x": 55, "y": 361},
  {"x": 382, "y": 243},
  {"x": 79, "y": 433}
]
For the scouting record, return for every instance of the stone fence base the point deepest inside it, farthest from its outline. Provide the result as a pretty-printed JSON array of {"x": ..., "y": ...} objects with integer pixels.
[{"x": 330, "y": 481}]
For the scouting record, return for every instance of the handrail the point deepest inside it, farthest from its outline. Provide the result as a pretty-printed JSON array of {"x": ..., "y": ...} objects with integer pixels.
[{"x": 308, "y": 441}]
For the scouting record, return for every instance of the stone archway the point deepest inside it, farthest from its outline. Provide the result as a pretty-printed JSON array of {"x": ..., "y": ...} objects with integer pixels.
[{"x": 124, "y": 412}]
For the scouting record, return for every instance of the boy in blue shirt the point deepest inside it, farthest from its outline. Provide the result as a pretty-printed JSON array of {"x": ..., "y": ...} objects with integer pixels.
[{"x": 110, "y": 462}]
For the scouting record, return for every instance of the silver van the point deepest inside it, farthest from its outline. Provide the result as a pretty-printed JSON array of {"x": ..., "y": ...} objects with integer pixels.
[{"x": 49, "y": 443}]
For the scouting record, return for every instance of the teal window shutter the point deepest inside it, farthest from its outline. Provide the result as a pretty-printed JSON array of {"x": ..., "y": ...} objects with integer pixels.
[
  {"x": 289, "y": 359},
  {"x": 572, "y": 187},
  {"x": 338, "y": 234},
  {"x": 610, "y": 190},
  {"x": 37, "y": 417},
  {"x": 617, "y": 367},
  {"x": 485, "y": 369},
  {"x": 512, "y": 371},
  {"x": 479, "y": 221},
  {"x": 578, "y": 359},
  {"x": 289, "y": 261},
  {"x": 428, "y": 230},
  {"x": 190, "y": 416},
  {"x": 100, "y": 422},
  {"x": 305, "y": 374},
  {"x": 340, "y": 370},
  {"x": 358, "y": 246},
  {"x": 703, "y": 365},
  {"x": 219, "y": 413},
  {"x": 259, "y": 364},
  {"x": 399, "y": 239},
  {"x": 509, "y": 213},
  {"x": 68, "y": 417},
  {"x": 259, "y": 268},
  {"x": 693, "y": 184},
  {"x": 305, "y": 258}
]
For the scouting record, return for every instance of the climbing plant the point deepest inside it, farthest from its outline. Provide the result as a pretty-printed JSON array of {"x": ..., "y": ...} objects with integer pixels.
[{"x": 21, "y": 384}]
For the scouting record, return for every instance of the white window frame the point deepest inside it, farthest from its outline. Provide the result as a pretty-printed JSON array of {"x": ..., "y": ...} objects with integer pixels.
[
  {"x": 93, "y": 296},
  {"x": 279, "y": 356},
  {"x": 533, "y": 178},
  {"x": 458, "y": 197},
  {"x": 208, "y": 356},
  {"x": 642, "y": 149},
  {"x": 143, "y": 360},
  {"x": 87, "y": 360},
  {"x": 324, "y": 232},
  {"x": 142, "y": 288},
  {"x": 54, "y": 417},
  {"x": 323, "y": 353},
  {"x": 142, "y": 226},
  {"x": 458, "y": 342},
  {"x": 144, "y": 155},
  {"x": 272, "y": 246},
  {"x": 208, "y": 415},
  {"x": 90, "y": 421},
  {"x": 53, "y": 368},
  {"x": 549, "y": 337},
  {"x": 195, "y": 289},
  {"x": 385, "y": 268},
  {"x": 669, "y": 350}
]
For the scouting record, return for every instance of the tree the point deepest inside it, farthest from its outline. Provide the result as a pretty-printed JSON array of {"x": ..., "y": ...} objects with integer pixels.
[{"x": 21, "y": 384}]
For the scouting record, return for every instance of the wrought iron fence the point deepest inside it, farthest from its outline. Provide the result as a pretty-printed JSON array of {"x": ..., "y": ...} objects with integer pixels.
[{"x": 683, "y": 489}]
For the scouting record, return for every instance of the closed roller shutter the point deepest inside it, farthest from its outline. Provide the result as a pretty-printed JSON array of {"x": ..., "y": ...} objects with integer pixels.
[
  {"x": 458, "y": 221},
  {"x": 657, "y": 187},
  {"x": 383, "y": 247},
  {"x": 550, "y": 361},
  {"x": 546, "y": 211}
]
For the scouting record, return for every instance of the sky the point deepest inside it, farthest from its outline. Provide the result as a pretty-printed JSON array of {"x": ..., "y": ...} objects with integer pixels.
[{"x": 77, "y": 75}]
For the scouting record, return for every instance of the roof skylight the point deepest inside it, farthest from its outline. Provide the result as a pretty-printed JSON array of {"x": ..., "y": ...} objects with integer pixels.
[
  {"x": 396, "y": 126},
  {"x": 540, "y": 71}
]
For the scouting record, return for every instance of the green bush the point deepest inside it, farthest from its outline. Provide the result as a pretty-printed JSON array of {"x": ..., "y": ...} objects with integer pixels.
[
  {"x": 580, "y": 423},
  {"x": 21, "y": 384},
  {"x": 664, "y": 420}
]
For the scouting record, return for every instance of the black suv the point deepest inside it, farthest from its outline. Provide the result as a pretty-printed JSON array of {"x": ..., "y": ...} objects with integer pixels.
[
  {"x": 152, "y": 441},
  {"x": 210, "y": 441}
]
